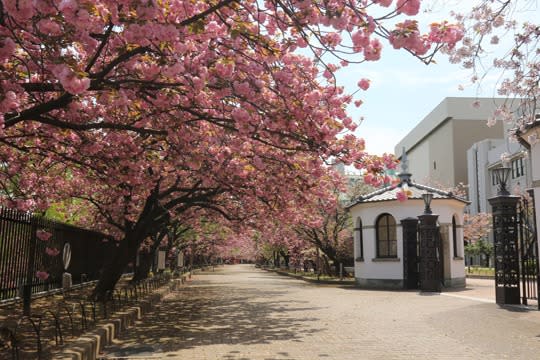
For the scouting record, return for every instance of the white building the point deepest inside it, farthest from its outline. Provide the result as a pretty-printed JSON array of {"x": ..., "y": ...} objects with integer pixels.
[
  {"x": 382, "y": 257},
  {"x": 486, "y": 155},
  {"x": 437, "y": 146}
]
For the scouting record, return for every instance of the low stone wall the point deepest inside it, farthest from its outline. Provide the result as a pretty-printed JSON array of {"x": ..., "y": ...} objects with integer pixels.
[{"x": 89, "y": 345}]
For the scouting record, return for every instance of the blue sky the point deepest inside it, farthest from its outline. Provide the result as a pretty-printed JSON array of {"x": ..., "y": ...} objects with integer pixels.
[{"x": 404, "y": 90}]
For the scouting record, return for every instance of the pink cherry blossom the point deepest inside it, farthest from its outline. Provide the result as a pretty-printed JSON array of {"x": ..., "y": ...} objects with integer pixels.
[
  {"x": 49, "y": 27},
  {"x": 409, "y": 7},
  {"x": 21, "y": 9},
  {"x": 52, "y": 251},
  {"x": 372, "y": 52},
  {"x": 68, "y": 6},
  {"x": 446, "y": 33},
  {"x": 42, "y": 275},
  {"x": 7, "y": 48},
  {"x": 69, "y": 80},
  {"x": 43, "y": 235},
  {"x": 487, "y": 30},
  {"x": 385, "y": 3},
  {"x": 369, "y": 178},
  {"x": 363, "y": 84},
  {"x": 401, "y": 196}
]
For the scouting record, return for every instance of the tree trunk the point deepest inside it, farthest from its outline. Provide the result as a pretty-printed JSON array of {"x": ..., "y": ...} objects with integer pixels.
[
  {"x": 142, "y": 270},
  {"x": 114, "y": 268},
  {"x": 326, "y": 266},
  {"x": 145, "y": 258},
  {"x": 344, "y": 262},
  {"x": 286, "y": 258},
  {"x": 276, "y": 259}
]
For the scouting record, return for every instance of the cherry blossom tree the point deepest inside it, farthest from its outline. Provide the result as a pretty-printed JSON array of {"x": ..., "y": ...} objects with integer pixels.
[
  {"x": 476, "y": 229},
  {"x": 501, "y": 40},
  {"x": 143, "y": 111},
  {"x": 328, "y": 228}
]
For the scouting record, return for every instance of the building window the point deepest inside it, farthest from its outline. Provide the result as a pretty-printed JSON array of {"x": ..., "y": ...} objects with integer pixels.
[
  {"x": 454, "y": 236},
  {"x": 386, "y": 236},
  {"x": 359, "y": 236},
  {"x": 517, "y": 168}
]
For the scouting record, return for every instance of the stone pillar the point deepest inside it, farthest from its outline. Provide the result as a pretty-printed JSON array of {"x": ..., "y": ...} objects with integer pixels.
[
  {"x": 430, "y": 253},
  {"x": 505, "y": 239}
]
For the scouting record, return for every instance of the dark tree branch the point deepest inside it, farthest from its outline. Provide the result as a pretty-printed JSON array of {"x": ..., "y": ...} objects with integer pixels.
[
  {"x": 208, "y": 11},
  {"x": 97, "y": 125},
  {"x": 100, "y": 48},
  {"x": 38, "y": 110}
]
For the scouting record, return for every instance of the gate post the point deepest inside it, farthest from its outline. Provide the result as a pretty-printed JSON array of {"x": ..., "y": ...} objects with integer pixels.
[
  {"x": 410, "y": 250},
  {"x": 505, "y": 240},
  {"x": 430, "y": 262}
]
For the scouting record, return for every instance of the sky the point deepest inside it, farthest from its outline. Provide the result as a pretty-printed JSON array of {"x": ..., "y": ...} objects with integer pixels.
[{"x": 404, "y": 90}]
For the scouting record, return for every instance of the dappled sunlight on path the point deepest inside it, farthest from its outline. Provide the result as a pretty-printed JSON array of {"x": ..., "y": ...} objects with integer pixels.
[{"x": 242, "y": 313}]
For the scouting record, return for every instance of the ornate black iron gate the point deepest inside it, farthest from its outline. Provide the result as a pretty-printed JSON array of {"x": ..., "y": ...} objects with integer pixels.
[
  {"x": 430, "y": 271},
  {"x": 411, "y": 275},
  {"x": 528, "y": 250}
]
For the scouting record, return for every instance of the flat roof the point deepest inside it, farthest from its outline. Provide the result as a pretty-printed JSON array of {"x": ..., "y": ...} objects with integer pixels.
[{"x": 451, "y": 108}]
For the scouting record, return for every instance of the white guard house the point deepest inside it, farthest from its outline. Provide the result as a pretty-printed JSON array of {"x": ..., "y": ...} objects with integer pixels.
[{"x": 387, "y": 240}]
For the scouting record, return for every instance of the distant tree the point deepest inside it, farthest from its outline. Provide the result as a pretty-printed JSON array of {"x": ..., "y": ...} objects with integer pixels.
[
  {"x": 476, "y": 229},
  {"x": 329, "y": 228},
  {"x": 482, "y": 248}
]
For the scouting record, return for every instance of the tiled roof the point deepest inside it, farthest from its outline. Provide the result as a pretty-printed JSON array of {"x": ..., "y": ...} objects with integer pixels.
[{"x": 390, "y": 194}]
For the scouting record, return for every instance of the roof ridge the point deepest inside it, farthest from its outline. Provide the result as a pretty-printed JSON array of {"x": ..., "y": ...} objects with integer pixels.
[{"x": 416, "y": 196}]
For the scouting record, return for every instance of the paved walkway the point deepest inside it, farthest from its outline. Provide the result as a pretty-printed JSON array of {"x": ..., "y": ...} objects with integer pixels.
[{"x": 241, "y": 313}]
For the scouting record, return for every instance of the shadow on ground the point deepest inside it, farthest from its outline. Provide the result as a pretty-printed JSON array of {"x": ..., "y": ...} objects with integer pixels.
[{"x": 209, "y": 314}]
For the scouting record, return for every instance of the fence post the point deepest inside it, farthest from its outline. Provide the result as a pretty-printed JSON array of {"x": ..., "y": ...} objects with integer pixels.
[{"x": 27, "y": 288}]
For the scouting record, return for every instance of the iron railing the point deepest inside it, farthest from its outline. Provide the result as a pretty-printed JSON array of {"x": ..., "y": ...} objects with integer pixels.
[
  {"x": 25, "y": 250},
  {"x": 528, "y": 244}
]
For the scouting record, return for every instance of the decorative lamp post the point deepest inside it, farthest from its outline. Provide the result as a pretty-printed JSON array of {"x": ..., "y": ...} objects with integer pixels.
[
  {"x": 430, "y": 263},
  {"x": 501, "y": 174},
  {"x": 505, "y": 236},
  {"x": 427, "y": 197}
]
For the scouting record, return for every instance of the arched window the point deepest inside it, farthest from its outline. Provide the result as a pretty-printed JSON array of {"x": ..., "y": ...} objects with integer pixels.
[
  {"x": 386, "y": 236},
  {"x": 359, "y": 237},
  {"x": 454, "y": 236}
]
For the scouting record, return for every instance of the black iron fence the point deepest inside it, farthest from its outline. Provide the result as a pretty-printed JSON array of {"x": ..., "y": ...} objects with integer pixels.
[{"x": 33, "y": 251}]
